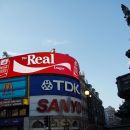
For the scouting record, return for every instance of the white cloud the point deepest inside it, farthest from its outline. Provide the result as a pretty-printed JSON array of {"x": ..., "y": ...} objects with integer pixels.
[{"x": 50, "y": 42}]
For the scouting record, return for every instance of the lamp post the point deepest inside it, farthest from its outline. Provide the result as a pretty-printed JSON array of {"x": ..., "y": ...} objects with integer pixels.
[
  {"x": 47, "y": 122},
  {"x": 88, "y": 108}
]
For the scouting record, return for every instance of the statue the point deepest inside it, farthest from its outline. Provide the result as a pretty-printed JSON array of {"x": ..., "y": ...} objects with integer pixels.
[
  {"x": 123, "y": 83},
  {"x": 126, "y": 12}
]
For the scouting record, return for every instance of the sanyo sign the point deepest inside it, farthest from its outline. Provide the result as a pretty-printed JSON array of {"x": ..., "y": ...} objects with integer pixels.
[{"x": 54, "y": 85}]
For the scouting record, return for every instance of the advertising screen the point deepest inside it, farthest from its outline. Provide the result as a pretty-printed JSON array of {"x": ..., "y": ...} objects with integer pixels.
[
  {"x": 54, "y": 105},
  {"x": 11, "y": 121},
  {"x": 13, "y": 88},
  {"x": 54, "y": 85},
  {"x": 38, "y": 63}
]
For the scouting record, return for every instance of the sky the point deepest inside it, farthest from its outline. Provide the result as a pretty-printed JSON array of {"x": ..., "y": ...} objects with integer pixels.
[{"x": 94, "y": 32}]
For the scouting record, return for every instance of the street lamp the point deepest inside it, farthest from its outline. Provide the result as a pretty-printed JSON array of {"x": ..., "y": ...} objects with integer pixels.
[
  {"x": 88, "y": 107},
  {"x": 90, "y": 95},
  {"x": 87, "y": 93}
]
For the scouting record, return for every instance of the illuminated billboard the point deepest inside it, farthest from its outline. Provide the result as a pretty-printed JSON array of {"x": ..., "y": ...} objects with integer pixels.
[
  {"x": 54, "y": 85},
  {"x": 38, "y": 63},
  {"x": 13, "y": 88},
  {"x": 54, "y": 105},
  {"x": 13, "y": 102}
]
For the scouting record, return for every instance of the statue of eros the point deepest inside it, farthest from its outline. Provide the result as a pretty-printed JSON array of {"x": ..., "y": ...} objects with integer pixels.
[{"x": 126, "y": 12}]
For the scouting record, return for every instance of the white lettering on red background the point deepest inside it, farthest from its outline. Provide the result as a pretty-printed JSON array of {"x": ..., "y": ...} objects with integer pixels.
[
  {"x": 38, "y": 63},
  {"x": 32, "y": 59}
]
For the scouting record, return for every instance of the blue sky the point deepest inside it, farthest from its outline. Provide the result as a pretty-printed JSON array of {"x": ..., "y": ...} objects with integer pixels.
[{"x": 93, "y": 32}]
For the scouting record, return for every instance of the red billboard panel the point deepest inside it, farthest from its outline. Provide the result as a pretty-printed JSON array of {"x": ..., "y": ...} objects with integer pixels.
[{"x": 39, "y": 63}]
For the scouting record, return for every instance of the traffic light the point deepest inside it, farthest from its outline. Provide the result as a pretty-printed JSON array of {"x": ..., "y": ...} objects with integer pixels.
[{"x": 46, "y": 121}]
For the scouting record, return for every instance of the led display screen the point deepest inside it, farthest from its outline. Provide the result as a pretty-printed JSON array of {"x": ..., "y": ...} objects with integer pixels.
[
  {"x": 13, "y": 88},
  {"x": 38, "y": 63},
  {"x": 54, "y": 85}
]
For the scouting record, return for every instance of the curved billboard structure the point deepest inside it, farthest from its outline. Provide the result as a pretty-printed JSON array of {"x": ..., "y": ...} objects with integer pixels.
[
  {"x": 54, "y": 95},
  {"x": 39, "y": 63},
  {"x": 40, "y": 85}
]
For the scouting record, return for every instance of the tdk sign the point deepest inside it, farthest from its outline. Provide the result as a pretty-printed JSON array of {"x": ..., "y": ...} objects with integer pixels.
[
  {"x": 68, "y": 86},
  {"x": 54, "y": 85}
]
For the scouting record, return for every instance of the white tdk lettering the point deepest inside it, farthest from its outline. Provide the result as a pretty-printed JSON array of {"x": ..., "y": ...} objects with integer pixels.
[
  {"x": 68, "y": 86},
  {"x": 71, "y": 87},
  {"x": 58, "y": 83},
  {"x": 32, "y": 59}
]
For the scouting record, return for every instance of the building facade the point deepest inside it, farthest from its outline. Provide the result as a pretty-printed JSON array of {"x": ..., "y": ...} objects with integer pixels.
[
  {"x": 92, "y": 108},
  {"x": 110, "y": 118}
]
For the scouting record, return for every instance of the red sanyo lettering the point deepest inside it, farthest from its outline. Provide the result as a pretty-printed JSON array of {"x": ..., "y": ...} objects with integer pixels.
[
  {"x": 57, "y": 106},
  {"x": 42, "y": 105},
  {"x": 32, "y": 59}
]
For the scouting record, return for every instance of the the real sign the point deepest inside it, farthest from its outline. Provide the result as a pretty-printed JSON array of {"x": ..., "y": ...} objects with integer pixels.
[{"x": 38, "y": 63}]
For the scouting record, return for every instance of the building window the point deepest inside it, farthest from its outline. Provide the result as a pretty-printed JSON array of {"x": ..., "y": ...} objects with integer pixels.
[
  {"x": 3, "y": 113},
  {"x": 8, "y": 113},
  {"x": 53, "y": 123},
  {"x": 22, "y": 112},
  {"x": 75, "y": 124},
  {"x": 14, "y": 112}
]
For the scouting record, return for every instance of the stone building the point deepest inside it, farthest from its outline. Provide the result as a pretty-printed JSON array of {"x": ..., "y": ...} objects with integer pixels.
[
  {"x": 92, "y": 108},
  {"x": 110, "y": 118}
]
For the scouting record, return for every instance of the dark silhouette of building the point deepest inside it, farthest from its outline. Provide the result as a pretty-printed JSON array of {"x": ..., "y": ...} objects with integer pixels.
[{"x": 92, "y": 109}]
